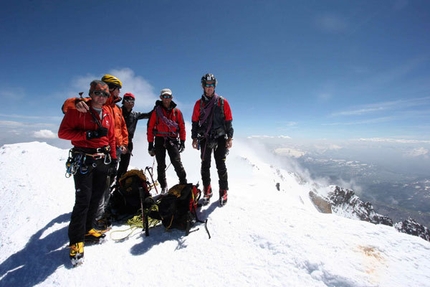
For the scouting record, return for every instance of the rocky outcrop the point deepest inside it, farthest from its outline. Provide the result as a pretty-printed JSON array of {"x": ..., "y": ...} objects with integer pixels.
[
  {"x": 345, "y": 200},
  {"x": 410, "y": 226}
]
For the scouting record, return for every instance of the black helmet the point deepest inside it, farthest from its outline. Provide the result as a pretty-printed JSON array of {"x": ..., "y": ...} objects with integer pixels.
[{"x": 208, "y": 78}]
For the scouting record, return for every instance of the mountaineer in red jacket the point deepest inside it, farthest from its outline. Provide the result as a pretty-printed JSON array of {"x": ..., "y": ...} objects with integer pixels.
[
  {"x": 166, "y": 127},
  {"x": 212, "y": 131},
  {"x": 81, "y": 104},
  {"x": 121, "y": 137},
  {"x": 93, "y": 154}
]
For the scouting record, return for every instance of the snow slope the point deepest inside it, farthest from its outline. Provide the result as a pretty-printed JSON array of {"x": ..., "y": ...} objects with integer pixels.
[{"x": 262, "y": 237}]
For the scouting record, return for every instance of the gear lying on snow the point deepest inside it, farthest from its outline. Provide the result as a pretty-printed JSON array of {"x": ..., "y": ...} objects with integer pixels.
[
  {"x": 125, "y": 201},
  {"x": 132, "y": 202},
  {"x": 178, "y": 208}
]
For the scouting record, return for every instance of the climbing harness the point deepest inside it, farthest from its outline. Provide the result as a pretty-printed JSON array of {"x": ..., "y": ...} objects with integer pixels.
[{"x": 77, "y": 160}]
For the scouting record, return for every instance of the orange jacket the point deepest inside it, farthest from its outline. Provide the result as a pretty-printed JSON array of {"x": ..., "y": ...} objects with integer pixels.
[{"x": 121, "y": 133}]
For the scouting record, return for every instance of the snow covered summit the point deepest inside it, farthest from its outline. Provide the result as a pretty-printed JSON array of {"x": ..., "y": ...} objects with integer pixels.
[{"x": 262, "y": 237}]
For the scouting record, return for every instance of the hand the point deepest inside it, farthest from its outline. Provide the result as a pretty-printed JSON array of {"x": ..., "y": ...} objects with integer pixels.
[
  {"x": 195, "y": 144},
  {"x": 100, "y": 132},
  {"x": 181, "y": 146},
  {"x": 82, "y": 107},
  {"x": 112, "y": 171},
  {"x": 151, "y": 149},
  {"x": 229, "y": 143}
]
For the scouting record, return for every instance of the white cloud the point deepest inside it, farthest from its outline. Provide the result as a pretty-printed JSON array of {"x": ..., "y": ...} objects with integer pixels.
[
  {"x": 141, "y": 88},
  {"x": 389, "y": 140},
  {"x": 418, "y": 152},
  {"x": 291, "y": 152},
  {"x": 268, "y": 137},
  {"x": 10, "y": 124},
  {"x": 44, "y": 134}
]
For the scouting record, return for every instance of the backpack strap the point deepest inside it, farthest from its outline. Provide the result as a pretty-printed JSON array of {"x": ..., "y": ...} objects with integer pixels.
[{"x": 220, "y": 102}]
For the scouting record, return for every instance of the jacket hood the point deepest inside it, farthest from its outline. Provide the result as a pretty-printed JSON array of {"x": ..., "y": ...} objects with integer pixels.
[{"x": 112, "y": 101}]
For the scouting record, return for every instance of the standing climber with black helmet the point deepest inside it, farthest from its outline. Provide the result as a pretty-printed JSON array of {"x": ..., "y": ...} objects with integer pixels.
[{"x": 212, "y": 130}]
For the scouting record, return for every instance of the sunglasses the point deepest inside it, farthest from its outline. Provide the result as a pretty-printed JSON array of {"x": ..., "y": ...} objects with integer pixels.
[
  {"x": 100, "y": 93},
  {"x": 209, "y": 85},
  {"x": 166, "y": 96},
  {"x": 113, "y": 87},
  {"x": 129, "y": 100}
]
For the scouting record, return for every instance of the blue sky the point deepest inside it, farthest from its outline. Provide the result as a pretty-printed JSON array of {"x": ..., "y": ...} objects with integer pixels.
[{"x": 302, "y": 69}]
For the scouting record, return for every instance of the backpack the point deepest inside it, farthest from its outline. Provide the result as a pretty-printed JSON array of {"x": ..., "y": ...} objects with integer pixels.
[
  {"x": 125, "y": 200},
  {"x": 178, "y": 209}
]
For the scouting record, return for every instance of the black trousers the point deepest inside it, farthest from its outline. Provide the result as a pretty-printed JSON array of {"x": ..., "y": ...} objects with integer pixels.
[
  {"x": 125, "y": 161},
  {"x": 220, "y": 155},
  {"x": 89, "y": 188},
  {"x": 171, "y": 146}
]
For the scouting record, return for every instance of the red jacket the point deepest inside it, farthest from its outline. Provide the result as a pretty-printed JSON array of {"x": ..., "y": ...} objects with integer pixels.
[
  {"x": 201, "y": 103},
  {"x": 75, "y": 125},
  {"x": 121, "y": 133},
  {"x": 159, "y": 128},
  {"x": 218, "y": 121}
]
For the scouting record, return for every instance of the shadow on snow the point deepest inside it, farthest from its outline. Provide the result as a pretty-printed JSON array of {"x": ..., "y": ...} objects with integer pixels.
[
  {"x": 158, "y": 234},
  {"x": 25, "y": 269}
]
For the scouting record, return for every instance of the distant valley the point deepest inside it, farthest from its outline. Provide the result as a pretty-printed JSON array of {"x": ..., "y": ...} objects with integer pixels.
[{"x": 396, "y": 195}]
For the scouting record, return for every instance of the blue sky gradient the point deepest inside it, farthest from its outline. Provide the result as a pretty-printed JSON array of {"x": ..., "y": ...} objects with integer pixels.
[{"x": 302, "y": 69}]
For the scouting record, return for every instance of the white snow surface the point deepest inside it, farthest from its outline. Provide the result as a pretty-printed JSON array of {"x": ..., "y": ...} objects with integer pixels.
[{"x": 262, "y": 237}]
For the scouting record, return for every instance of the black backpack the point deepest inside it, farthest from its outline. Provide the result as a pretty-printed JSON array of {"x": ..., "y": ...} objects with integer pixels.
[
  {"x": 125, "y": 200},
  {"x": 178, "y": 208}
]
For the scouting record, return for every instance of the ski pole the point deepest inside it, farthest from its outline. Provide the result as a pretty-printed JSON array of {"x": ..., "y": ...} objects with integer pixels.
[{"x": 149, "y": 169}]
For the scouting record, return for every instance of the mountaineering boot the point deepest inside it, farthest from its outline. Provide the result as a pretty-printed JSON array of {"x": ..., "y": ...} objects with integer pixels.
[
  {"x": 103, "y": 225},
  {"x": 77, "y": 253},
  {"x": 223, "y": 197},
  {"x": 94, "y": 236},
  {"x": 207, "y": 194}
]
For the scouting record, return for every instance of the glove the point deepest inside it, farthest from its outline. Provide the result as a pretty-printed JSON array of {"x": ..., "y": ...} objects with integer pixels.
[
  {"x": 181, "y": 146},
  {"x": 112, "y": 171},
  {"x": 98, "y": 133},
  {"x": 151, "y": 149}
]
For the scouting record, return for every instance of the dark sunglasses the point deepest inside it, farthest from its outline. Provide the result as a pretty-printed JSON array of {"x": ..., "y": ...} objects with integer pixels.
[
  {"x": 113, "y": 87},
  {"x": 100, "y": 93},
  {"x": 166, "y": 96},
  {"x": 209, "y": 85},
  {"x": 129, "y": 100}
]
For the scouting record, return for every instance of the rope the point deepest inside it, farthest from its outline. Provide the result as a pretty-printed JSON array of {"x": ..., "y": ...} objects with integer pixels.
[
  {"x": 131, "y": 229},
  {"x": 136, "y": 223},
  {"x": 171, "y": 125}
]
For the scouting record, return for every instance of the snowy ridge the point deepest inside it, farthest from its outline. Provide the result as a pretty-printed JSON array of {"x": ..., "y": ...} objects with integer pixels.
[{"x": 262, "y": 237}]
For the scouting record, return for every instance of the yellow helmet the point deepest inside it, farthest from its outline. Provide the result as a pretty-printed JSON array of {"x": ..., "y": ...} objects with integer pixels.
[{"x": 112, "y": 80}]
